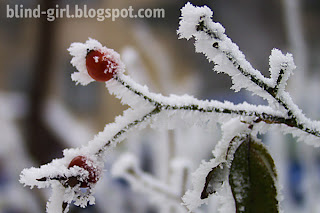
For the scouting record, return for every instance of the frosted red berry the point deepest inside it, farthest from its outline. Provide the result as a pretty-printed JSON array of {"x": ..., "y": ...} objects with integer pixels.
[
  {"x": 101, "y": 66},
  {"x": 87, "y": 164}
]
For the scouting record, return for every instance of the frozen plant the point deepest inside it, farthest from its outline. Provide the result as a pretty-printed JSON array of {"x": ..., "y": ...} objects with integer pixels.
[{"x": 241, "y": 172}]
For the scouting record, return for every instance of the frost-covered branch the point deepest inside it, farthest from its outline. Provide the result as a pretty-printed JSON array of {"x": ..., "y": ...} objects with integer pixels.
[
  {"x": 211, "y": 40},
  {"x": 81, "y": 167},
  {"x": 234, "y": 56},
  {"x": 188, "y": 103},
  {"x": 126, "y": 129}
]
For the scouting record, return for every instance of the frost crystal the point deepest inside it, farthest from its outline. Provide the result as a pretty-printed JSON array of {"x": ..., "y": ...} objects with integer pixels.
[{"x": 280, "y": 66}]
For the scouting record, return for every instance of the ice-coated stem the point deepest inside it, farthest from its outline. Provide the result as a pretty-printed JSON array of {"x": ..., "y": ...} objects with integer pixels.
[
  {"x": 266, "y": 114},
  {"x": 202, "y": 26},
  {"x": 126, "y": 129},
  {"x": 211, "y": 40}
]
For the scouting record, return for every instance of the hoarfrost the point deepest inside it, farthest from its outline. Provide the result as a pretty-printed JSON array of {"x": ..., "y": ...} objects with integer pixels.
[
  {"x": 171, "y": 112},
  {"x": 192, "y": 199}
]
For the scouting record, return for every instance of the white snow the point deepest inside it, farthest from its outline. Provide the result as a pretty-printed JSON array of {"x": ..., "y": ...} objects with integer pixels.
[
  {"x": 277, "y": 62},
  {"x": 54, "y": 204},
  {"x": 172, "y": 112},
  {"x": 230, "y": 129},
  {"x": 218, "y": 48},
  {"x": 190, "y": 17}
]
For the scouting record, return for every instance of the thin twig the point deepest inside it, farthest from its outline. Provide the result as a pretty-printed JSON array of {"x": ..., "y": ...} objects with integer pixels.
[
  {"x": 126, "y": 129},
  {"x": 292, "y": 121},
  {"x": 223, "y": 109}
]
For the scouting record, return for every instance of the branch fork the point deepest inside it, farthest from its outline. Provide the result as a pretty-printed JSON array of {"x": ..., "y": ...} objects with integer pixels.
[{"x": 158, "y": 111}]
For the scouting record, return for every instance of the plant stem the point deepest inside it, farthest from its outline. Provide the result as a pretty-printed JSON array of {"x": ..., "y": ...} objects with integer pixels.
[
  {"x": 259, "y": 116},
  {"x": 126, "y": 129}
]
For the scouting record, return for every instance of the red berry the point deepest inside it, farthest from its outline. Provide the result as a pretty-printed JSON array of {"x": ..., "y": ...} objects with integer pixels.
[
  {"x": 87, "y": 164},
  {"x": 101, "y": 66}
]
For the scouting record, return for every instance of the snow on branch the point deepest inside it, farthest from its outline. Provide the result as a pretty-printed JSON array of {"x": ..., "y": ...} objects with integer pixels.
[
  {"x": 211, "y": 40},
  {"x": 95, "y": 62}
]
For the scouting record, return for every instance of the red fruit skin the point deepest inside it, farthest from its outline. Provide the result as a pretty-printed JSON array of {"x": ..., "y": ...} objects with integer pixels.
[
  {"x": 94, "y": 173},
  {"x": 100, "y": 67}
]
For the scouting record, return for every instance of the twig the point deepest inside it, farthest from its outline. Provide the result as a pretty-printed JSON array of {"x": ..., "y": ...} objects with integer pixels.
[
  {"x": 126, "y": 129},
  {"x": 222, "y": 108}
]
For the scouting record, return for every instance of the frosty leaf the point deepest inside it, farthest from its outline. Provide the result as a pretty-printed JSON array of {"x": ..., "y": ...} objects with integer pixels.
[
  {"x": 218, "y": 174},
  {"x": 253, "y": 178},
  {"x": 233, "y": 145},
  {"x": 214, "y": 180}
]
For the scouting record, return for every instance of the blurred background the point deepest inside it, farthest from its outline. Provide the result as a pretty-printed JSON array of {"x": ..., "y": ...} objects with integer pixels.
[{"x": 43, "y": 112}]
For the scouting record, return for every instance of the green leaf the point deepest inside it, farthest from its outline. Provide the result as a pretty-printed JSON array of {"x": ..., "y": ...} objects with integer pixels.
[
  {"x": 252, "y": 178},
  {"x": 219, "y": 174},
  {"x": 214, "y": 180}
]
